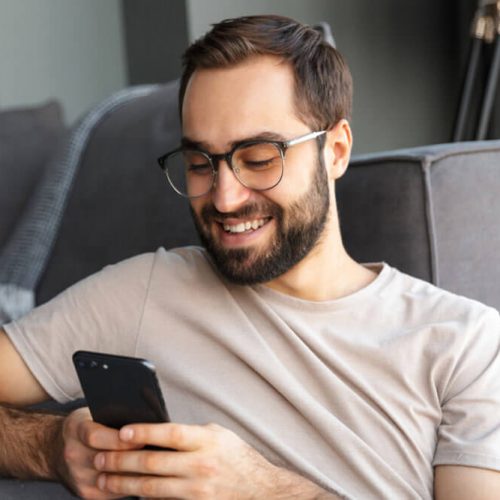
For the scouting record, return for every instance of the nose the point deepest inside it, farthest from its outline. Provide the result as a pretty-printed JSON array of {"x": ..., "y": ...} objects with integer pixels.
[{"x": 228, "y": 194}]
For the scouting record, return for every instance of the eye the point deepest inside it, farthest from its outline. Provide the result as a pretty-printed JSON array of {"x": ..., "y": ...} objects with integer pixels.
[
  {"x": 261, "y": 156},
  {"x": 196, "y": 163},
  {"x": 256, "y": 164},
  {"x": 199, "y": 168}
]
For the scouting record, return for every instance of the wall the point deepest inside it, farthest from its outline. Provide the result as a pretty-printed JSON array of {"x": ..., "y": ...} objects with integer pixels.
[
  {"x": 155, "y": 38},
  {"x": 407, "y": 58},
  {"x": 69, "y": 49},
  {"x": 404, "y": 57}
]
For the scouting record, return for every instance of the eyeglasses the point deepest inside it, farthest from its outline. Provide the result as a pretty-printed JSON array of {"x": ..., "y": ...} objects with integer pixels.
[{"x": 257, "y": 164}]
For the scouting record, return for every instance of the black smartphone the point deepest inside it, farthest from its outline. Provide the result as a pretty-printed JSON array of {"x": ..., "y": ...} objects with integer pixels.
[{"x": 120, "y": 390}]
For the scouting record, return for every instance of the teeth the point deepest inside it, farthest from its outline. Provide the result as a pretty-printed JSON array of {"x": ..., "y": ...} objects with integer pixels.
[{"x": 244, "y": 226}]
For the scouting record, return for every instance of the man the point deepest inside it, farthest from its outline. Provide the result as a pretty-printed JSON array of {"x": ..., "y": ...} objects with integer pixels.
[{"x": 291, "y": 371}]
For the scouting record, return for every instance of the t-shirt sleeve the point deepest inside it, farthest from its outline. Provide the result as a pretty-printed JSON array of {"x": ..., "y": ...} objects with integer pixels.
[
  {"x": 469, "y": 433},
  {"x": 100, "y": 313}
]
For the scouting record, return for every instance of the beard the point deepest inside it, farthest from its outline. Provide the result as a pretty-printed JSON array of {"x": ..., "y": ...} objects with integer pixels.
[{"x": 298, "y": 230}]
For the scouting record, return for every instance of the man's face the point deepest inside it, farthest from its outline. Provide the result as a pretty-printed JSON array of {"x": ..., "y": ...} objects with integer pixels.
[{"x": 255, "y": 236}]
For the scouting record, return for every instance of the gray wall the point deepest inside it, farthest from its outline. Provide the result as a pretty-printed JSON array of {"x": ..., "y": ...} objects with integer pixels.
[
  {"x": 155, "y": 38},
  {"x": 72, "y": 50},
  {"x": 404, "y": 57}
]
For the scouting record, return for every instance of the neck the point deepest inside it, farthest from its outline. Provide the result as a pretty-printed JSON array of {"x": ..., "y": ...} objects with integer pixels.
[{"x": 327, "y": 272}]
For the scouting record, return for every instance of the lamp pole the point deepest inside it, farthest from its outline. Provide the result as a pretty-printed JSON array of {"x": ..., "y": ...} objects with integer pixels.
[{"x": 485, "y": 32}]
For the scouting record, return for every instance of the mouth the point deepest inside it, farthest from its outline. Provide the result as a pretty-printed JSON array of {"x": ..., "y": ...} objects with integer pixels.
[
  {"x": 239, "y": 233},
  {"x": 247, "y": 226}
]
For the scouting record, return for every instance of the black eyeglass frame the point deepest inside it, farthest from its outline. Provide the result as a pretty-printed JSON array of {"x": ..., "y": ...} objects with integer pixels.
[{"x": 214, "y": 159}]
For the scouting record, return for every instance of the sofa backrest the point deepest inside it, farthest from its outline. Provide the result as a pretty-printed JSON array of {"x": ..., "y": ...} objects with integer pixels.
[
  {"x": 433, "y": 212},
  {"x": 120, "y": 203},
  {"x": 28, "y": 138}
]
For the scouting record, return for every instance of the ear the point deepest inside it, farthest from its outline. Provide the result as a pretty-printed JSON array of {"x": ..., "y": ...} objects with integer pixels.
[{"x": 338, "y": 149}]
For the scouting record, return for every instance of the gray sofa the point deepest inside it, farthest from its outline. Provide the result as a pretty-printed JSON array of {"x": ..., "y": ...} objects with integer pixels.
[{"x": 432, "y": 212}]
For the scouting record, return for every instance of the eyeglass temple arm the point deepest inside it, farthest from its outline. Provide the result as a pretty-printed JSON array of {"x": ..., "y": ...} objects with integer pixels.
[{"x": 305, "y": 138}]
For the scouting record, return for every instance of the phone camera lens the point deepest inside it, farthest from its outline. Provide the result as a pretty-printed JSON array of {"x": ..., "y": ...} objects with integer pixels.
[
  {"x": 82, "y": 364},
  {"x": 93, "y": 364}
]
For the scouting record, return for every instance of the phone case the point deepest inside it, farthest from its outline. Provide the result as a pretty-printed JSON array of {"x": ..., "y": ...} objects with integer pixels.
[{"x": 120, "y": 390}]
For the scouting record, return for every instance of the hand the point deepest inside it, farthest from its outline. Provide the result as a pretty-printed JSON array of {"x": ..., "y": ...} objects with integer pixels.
[
  {"x": 82, "y": 439},
  {"x": 211, "y": 462}
]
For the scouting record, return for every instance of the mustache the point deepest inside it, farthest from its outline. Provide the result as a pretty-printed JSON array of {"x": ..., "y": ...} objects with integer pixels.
[{"x": 209, "y": 212}]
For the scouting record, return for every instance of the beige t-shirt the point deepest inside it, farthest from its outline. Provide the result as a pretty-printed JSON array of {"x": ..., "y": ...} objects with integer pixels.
[{"x": 363, "y": 394}]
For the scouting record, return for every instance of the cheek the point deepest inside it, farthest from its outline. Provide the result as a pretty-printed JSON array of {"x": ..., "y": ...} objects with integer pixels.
[
  {"x": 296, "y": 182},
  {"x": 196, "y": 208}
]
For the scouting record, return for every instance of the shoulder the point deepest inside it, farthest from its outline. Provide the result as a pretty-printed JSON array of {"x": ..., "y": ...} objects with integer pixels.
[
  {"x": 187, "y": 256},
  {"x": 182, "y": 259},
  {"x": 187, "y": 260},
  {"x": 137, "y": 272},
  {"x": 427, "y": 302},
  {"x": 456, "y": 338},
  {"x": 189, "y": 266},
  {"x": 186, "y": 266}
]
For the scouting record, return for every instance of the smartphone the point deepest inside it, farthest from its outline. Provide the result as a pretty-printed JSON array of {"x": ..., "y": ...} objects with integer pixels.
[{"x": 120, "y": 390}]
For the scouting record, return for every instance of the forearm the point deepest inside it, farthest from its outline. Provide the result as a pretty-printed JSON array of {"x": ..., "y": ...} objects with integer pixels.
[
  {"x": 30, "y": 443},
  {"x": 288, "y": 485}
]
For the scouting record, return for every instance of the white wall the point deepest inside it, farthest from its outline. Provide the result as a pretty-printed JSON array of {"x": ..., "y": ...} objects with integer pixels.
[{"x": 72, "y": 49}]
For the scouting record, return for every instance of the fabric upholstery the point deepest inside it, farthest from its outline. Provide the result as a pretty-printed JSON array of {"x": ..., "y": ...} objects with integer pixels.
[
  {"x": 432, "y": 211},
  {"x": 25, "y": 254},
  {"x": 14, "y": 489},
  {"x": 121, "y": 204},
  {"x": 29, "y": 138}
]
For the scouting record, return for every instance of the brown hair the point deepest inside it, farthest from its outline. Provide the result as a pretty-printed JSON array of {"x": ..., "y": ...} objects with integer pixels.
[{"x": 323, "y": 84}]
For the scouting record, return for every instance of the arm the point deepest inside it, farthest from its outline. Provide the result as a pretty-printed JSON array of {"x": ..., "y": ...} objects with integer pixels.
[
  {"x": 29, "y": 443},
  {"x": 210, "y": 462},
  {"x": 470, "y": 424},
  {"x": 18, "y": 386},
  {"x": 36, "y": 445},
  {"x": 23, "y": 434},
  {"x": 44, "y": 446},
  {"x": 454, "y": 482}
]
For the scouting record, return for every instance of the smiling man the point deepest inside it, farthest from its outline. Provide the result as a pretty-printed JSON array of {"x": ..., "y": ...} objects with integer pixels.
[
  {"x": 264, "y": 218},
  {"x": 289, "y": 369}
]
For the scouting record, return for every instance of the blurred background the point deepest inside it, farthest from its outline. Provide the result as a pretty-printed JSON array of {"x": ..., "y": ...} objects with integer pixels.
[{"x": 407, "y": 57}]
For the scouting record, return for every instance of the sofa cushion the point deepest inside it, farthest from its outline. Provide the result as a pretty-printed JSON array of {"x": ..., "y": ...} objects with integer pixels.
[
  {"x": 120, "y": 203},
  {"x": 16, "y": 489},
  {"x": 28, "y": 138},
  {"x": 432, "y": 211}
]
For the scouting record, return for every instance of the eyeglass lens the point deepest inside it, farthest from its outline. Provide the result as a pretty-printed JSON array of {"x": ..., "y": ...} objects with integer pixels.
[{"x": 257, "y": 166}]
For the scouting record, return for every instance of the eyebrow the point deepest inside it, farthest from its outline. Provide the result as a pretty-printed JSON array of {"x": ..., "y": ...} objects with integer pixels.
[{"x": 205, "y": 146}]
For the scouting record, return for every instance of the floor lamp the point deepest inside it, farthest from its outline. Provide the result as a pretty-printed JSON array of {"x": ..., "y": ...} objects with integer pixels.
[{"x": 485, "y": 46}]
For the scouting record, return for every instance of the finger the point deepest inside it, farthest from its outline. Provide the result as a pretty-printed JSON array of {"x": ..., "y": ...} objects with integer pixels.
[
  {"x": 84, "y": 485},
  {"x": 95, "y": 493},
  {"x": 83, "y": 476},
  {"x": 165, "y": 463},
  {"x": 100, "y": 437},
  {"x": 147, "y": 486},
  {"x": 79, "y": 454},
  {"x": 177, "y": 436}
]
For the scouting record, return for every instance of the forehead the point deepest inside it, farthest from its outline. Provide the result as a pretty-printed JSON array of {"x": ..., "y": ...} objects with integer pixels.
[{"x": 224, "y": 105}]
